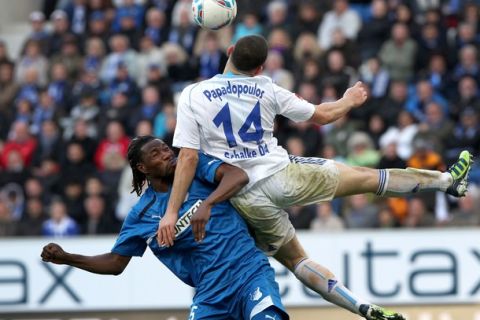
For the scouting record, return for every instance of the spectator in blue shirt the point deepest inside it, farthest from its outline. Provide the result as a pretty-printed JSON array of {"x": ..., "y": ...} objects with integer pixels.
[
  {"x": 249, "y": 26},
  {"x": 184, "y": 33},
  {"x": 59, "y": 88},
  {"x": 29, "y": 89},
  {"x": 468, "y": 64},
  {"x": 77, "y": 14},
  {"x": 44, "y": 110},
  {"x": 60, "y": 224},
  {"x": 120, "y": 51},
  {"x": 129, "y": 9},
  {"x": 212, "y": 59},
  {"x": 151, "y": 106},
  {"x": 423, "y": 95},
  {"x": 98, "y": 27},
  {"x": 123, "y": 82},
  {"x": 157, "y": 28}
]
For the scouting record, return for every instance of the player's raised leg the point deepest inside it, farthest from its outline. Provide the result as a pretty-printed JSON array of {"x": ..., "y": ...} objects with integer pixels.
[
  {"x": 275, "y": 235},
  {"x": 399, "y": 182},
  {"x": 324, "y": 282},
  {"x": 316, "y": 277}
]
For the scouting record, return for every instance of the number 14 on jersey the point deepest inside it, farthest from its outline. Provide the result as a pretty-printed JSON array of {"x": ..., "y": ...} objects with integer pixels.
[{"x": 224, "y": 117}]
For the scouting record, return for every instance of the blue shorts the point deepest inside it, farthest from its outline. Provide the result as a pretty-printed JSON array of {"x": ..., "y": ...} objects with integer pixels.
[{"x": 258, "y": 294}]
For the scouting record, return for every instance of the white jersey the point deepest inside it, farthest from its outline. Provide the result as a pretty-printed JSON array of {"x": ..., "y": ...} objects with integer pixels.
[{"x": 232, "y": 117}]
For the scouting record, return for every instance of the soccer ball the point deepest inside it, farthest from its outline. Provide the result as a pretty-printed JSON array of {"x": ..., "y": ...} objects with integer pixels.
[{"x": 214, "y": 14}]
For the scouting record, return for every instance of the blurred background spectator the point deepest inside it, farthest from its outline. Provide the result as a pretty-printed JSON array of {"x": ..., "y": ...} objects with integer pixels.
[
  {"x": 326, "y": 219},
  {"x": 92, "y": 74},
  {"x": 60, "y": 224},
  {"x": 33, "y": 218}
]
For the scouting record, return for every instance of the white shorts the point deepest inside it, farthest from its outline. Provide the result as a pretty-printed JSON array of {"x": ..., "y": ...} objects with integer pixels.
[{"x": 304, "y": 181}]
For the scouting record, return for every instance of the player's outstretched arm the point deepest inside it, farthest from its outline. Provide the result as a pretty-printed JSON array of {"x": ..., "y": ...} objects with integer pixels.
[
  {"x": 108, "y": 263},
  {"x": 184, "y": 173},
  {"x": 331, "y": 111},
  {"x": 230, "y": 180}
]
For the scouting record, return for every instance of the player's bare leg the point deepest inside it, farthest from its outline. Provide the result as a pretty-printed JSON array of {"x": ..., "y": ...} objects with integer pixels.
[
  {"x": 398, "y": 182},
  {"x": 324, "y": 282},
  {"x": 389, "y": 182},
  {"x": 316, "y": 277},
  {"x": 355, "y": 180}
]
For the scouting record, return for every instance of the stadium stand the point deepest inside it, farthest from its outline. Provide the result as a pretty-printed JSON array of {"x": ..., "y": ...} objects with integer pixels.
[{"x": 91, "y": 74}]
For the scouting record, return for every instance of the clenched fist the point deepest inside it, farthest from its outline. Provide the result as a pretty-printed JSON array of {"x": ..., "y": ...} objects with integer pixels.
[
  {"x": 52, "y": 252},
  {"x": 356, "y": 95}
]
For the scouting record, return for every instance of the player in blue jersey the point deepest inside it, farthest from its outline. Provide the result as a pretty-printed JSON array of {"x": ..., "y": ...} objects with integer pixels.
[{"x": 233, "y": 279}]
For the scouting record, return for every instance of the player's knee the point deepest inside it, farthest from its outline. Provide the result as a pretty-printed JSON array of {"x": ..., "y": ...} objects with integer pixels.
[
  {"x": 364, "y": 170},
  {"x": 366, "y": 175},
  {"x": 294, "y": 261},
  {"x": 288, "y": 261},
  {"x": 290, "y": 255}
]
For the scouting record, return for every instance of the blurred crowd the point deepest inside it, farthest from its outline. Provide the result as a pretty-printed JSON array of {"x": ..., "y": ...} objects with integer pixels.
[{"x": 94, "y": 73}]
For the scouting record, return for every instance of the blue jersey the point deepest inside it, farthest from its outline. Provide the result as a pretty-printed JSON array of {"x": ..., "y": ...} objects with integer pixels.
[{"x": 218, "y": 266}]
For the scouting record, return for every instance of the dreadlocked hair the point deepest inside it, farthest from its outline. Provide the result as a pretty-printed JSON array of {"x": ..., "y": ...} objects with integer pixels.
[{"x": 134, "y": 156}]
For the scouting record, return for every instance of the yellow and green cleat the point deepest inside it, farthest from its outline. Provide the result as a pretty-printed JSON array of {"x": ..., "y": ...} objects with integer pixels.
[
  {"x": 459, "y": 172},
  {"x": 373, "y": 312}
]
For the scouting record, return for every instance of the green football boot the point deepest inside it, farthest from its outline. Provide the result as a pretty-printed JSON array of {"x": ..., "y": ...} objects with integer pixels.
[
  {"x": 459, "y": 172},
  {"x": 373, "y": 312}
]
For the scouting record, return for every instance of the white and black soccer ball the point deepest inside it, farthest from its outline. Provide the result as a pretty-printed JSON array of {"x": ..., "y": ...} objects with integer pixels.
[{"x": 214, "y": 14}]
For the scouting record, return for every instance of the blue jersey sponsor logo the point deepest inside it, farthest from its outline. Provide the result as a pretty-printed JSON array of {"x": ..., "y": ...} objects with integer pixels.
[{"x": 183, "y": 222}]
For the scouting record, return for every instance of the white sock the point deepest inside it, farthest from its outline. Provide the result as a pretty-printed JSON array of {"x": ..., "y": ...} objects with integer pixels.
[
  {"x": 324, "y": 282},
  {"x": 398, "y": 182}
]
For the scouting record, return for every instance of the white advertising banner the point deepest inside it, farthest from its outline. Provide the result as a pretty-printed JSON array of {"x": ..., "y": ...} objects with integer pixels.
[{"x": 394, "y": 267}]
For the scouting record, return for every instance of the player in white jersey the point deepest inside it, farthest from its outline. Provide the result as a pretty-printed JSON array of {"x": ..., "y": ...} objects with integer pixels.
[{"x": 231, "y": 117}]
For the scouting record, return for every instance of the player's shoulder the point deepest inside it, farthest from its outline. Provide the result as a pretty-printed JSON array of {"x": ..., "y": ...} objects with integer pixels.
[
  {"x": 264, "y": 78},
  {"x": 268, "y": 84},
  {"x": 188, "y": 89},
  {"x": 206, "y": 160},
  {"x": 207, "y": 167},
  {"x": 146, "y": 201},
  {"x": 187, "y": 93}
]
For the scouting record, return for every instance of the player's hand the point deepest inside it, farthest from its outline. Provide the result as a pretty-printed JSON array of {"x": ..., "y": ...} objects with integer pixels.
[
  {"x": 52, "y": 252},
  {"x": 199, "y": 221},
  {"x": 356, "y": 95},
  {"x": 166, "y": 230}
]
